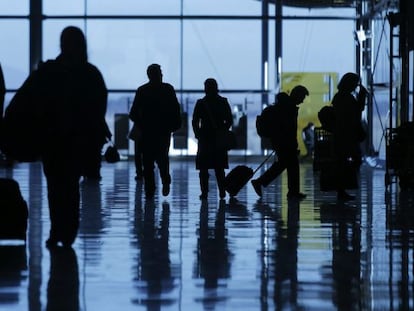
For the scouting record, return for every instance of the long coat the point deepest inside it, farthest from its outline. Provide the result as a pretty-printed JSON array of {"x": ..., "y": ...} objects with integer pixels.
[
  {"x": 211, "y": 115},
  {"x": 347, "y": 130}
]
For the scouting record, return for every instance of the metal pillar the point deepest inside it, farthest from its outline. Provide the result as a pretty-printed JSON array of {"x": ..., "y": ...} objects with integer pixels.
[
  {"x": 35, "y": 33},
  {"x": 265, "y": 51},
  {"x": 278, "y": 42}
]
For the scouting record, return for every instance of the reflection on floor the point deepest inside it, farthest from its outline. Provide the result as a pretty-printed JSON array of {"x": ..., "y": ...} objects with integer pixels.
[{"x": 177, "y": 253}]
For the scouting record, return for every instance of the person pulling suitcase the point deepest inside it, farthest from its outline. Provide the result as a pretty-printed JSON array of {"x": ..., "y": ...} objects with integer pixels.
[{"x": 284, "y": 141}]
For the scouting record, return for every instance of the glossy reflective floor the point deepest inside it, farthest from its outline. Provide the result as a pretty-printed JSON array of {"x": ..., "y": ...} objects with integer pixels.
[{"x": 176, "y": 253}]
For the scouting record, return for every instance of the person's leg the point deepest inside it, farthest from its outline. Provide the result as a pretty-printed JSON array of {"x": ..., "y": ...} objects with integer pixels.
[
  {"x": 341, "y": 167},
  {"x": 149, "y": 178},
  {"x": 63, "y": 201},
  {"x": 204, "y": 176},
  {"x": 220, "y": 175},
  {"x": 163, "y": 162},
  {"x": 138, "y": 160},
  {"x": 293, "y": 176},
  {"x": 269, "y": 175}
]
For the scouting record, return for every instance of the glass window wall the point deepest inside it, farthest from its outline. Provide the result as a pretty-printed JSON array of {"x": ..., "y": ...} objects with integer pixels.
[
  {"x": 14, "y": 52},
  {"x": 214, "y": 38}
]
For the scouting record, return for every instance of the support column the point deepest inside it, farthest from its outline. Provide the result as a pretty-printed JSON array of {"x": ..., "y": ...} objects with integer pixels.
[{"x": 35, "y": 33}]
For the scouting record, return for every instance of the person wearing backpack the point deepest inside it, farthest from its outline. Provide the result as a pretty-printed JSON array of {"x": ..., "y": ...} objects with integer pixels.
[{"x": 284, "y": 141}]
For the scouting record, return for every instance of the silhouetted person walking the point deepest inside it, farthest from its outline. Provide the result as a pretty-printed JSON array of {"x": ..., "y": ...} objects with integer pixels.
[
  {"x": 70, "y": 97},
  {"x": 211, "y": 116},
  {"x": 348, "y": 131},
  {"x": 284, "y": 141},
  {"x": 156, "y": 112}
]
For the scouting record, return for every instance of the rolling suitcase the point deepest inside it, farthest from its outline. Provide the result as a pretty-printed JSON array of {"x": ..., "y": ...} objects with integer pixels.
[
  {"x": 14, "y": 211},
  {"x": 239, "y": 176}
]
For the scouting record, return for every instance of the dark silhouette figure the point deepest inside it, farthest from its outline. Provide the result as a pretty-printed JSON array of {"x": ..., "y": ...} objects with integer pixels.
[
  {"x": 71, "y": 96},
  {"x": 153, "y": 264},
  {"x": 348, "y": 131},
  {"x": 63, "y": 285},
  {"x": 279, "y": 260},
  {"x": 286, "y": 259},
  {"x": 213, "y": 260},
  {"x": 156, "y": 112},
  {"x": 211, "y": 116},
  {"x": 284, "y": 141},
  {"x": 346, "y": 253},
  {"x": 308, "y": 136}
]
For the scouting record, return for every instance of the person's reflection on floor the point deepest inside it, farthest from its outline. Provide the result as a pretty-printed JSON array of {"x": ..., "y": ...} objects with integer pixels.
[
  {"x": 346, "y": 253},
  {"x": 286, "y": 258},
  {"x": 93, "y": 219},
  {"x": 63, "y": 285},
  {"x": 154, "y": 266},
  {"x": 213, "y": 256},
  {"x": 237, "y": 210},
  {"x": 13, "y": 260}
]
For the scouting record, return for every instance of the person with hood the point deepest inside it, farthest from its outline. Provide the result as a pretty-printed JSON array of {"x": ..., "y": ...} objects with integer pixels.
[{"x": 348, "y": 131}]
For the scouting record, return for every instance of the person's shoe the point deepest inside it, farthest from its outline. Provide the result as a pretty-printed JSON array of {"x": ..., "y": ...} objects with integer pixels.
[
  {"x": 296, "y": 196},
  {"x": 165, "y": 189},
  {"x": 257, "y": 186},
  {"x": 222, "y": 194},
  {"x": 344, "y": 196}
]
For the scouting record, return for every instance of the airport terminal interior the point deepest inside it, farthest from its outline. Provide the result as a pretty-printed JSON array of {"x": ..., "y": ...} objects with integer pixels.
[{"x": 243, "y": 252}]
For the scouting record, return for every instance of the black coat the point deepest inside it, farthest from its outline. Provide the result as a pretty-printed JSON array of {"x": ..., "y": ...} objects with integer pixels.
[
  {"x": 347, "y": 131},
  {"x": 155, "y": 111},
  {"x": 211, "y": 115}
]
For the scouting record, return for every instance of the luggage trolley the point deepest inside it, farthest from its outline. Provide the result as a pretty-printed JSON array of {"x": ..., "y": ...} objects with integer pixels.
[{"x": 400, "y": 155}]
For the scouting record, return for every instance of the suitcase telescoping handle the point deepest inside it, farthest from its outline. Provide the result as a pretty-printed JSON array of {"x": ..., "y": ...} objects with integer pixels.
[{"x": 264, "y": 161}]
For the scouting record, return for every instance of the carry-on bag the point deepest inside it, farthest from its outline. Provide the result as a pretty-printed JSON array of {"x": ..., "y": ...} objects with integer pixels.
[
  {"x": 14, "y": 211},
  {"x": 239, "y": 176}
]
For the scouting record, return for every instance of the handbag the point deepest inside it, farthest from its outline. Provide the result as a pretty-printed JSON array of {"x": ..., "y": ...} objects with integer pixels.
[{"x": 111, "y": 154}]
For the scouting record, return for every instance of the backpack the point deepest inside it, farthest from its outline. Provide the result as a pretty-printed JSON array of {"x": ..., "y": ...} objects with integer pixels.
[
  {"x": 327, "y": 118},
  {"x": 266, "y": 121}
]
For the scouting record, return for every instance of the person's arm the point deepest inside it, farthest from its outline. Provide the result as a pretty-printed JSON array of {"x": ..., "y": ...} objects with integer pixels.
[
  {"x": 228, "y": 115},
  {"x": 133, "y": 113},
  {"x": 196, "y": 120},
  {"x": 176, "y": 114},
  {"x": 361, "y": 97}
]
